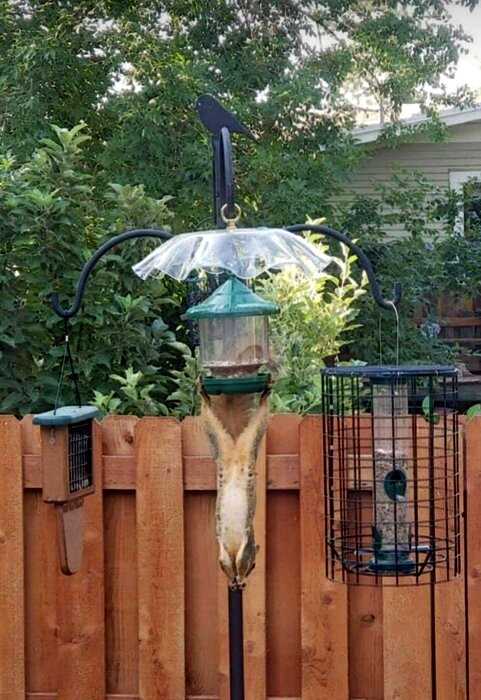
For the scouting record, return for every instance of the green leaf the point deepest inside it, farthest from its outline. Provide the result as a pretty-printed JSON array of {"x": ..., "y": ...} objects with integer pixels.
[{"x": 474, "y": 411}]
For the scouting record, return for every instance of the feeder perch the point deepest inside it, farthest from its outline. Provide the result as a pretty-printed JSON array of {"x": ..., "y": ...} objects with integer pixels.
[
  {"x": 392, "y": 479},
  {"x": 234, "y": 338},
  {"x": 67, "y": 474}
]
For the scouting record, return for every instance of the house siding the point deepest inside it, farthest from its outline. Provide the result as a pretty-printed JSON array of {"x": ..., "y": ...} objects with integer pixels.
[{"x": 434, "y": 160}]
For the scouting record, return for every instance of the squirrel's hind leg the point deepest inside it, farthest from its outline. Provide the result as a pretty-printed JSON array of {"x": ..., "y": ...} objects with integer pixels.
[{"x": 226, "y": 564}]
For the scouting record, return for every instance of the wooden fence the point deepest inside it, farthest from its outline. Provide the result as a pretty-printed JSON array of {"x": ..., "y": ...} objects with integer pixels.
[{"x": 147, "y": 615}]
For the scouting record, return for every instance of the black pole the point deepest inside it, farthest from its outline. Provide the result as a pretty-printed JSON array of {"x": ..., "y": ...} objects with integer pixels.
[
  {"x": 221, "y": 123},
  {"x": 236, "y": 644}
]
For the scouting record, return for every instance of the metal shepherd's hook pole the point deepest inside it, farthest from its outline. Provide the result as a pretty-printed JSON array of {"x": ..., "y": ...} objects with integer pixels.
[{"x": 221, "y": 123}]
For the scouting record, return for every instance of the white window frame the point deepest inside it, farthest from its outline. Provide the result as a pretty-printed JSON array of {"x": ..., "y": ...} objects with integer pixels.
[{"x": 457, "y": 180}]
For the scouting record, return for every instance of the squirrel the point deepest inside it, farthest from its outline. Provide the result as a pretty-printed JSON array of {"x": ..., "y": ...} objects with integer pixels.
[{"x": 235, "y": 458}]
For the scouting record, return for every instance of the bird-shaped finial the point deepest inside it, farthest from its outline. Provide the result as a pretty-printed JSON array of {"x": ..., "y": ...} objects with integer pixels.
[{"x": 214, "y": 117}]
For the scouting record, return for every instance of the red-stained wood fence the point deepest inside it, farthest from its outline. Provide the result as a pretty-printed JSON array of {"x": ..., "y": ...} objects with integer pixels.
[{"x": 146, "y": 617}]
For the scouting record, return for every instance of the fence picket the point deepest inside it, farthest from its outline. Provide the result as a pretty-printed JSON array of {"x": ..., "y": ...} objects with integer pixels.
[
  {"x": 12, "y": 623},
  {"x": 160, "y": 543},
  {"x": 122, "y": 615},
  {"x": 80, "y": 604},
  {"x": 223, "y": 635},
  {"x": 450, "y": 641},
  {"x": 473, "y": 547},
  {"x": 407, "y": 642},
  {"x": 324, "y": 620},
  {"x": 41, "y": 563},
  {"x": 407, "y": 622},
  {"x": 255, "y": 596},
  {"x": 450, "y": 623}
]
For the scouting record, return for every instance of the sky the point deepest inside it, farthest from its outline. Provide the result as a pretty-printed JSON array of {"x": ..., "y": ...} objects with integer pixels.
[{"x": 469, "y": 68}]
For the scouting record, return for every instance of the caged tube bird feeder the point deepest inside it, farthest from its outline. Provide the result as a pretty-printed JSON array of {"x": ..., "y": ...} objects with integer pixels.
[{"x": 392, "y": 475}]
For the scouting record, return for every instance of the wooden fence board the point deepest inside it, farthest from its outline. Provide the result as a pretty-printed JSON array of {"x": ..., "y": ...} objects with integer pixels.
[
  {"x": 122, "y": 653},
  {"x": 450, "y": 631},
  {"x": 80, "y": 604},
  {"x": 118, "y": 437},
  {"x": 121, "y": 608},
  {"x": 12, "y": 622},
  {"x": 366, "y": 670},
  {"x": 200, "y": 594},
  {"x": 223, "y": 635},
  {"x": 407, "y": 642},
  {"x": 366, "y": 664},
  {"x": 160, "y": 543},
  {"x": 54, "y": 696},
  {"x": 473, "y": 546},
  {"x": 199, "y": 472},
  {"x": 283, "y": 434},
  {"x": 196, "y": 449},
  {"x": 283, "y": 594},
  {"x": 41, "y": 565},
  {"x": 255, "y": 596},
  {"x": 323, "y": 603},
  {"x": 407, "y": 617},
  {"x": 450, "y": 641}
]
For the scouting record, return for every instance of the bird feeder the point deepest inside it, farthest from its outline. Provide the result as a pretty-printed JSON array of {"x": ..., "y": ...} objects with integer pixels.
[
  {"x": 392, "y": 479},
  {"x": 67, "y": 474},
  {"x": 234, "y": 338}
]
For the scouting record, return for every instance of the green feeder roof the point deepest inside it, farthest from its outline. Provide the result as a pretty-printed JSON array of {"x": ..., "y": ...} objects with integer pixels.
[
  {"x": 232, "y": 298},
  {"x": 66, "y": 415}
]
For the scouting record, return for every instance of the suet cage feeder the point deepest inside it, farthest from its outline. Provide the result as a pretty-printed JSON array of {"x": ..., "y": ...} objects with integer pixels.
[
  {"x": 234, "y": 338},
  {"x": 67, "y": 474},
  {"x": 392, "y": 477}
]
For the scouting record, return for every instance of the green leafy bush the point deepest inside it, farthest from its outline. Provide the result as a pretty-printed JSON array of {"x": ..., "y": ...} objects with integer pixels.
[
  {"x": 430, "y": 261},
  {"x": 53, "y": 214},
  {"x": 315, "y": 321}
]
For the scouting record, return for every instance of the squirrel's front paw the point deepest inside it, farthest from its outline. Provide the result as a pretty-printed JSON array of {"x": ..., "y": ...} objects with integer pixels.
[{"x": 266, "y": 393}]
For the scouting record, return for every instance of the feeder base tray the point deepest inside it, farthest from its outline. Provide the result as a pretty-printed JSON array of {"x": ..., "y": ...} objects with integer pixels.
[
  {"x": 389, "y": 564},
  {"x": 252, "y": 384}
]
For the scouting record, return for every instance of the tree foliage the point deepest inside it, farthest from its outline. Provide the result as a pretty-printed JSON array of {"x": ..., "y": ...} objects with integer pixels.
[
  {"x": 316, "y": 319},
  {"x": 52, "y": 217},
  {"x": 120, "y": 80},
  {"x": 431, "y": 260},
  {"x": 133, "y": 71}
]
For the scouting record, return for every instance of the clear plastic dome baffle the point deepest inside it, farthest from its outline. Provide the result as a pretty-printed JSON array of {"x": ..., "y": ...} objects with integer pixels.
[{"x": 245, "y": 252}]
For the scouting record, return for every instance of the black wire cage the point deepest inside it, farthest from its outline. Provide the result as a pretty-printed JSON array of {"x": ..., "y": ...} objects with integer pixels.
[{"x": 393, "y": 487}]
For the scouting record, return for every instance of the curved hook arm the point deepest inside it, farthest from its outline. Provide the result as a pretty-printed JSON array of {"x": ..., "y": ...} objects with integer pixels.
[
  {"x": 363, "y": 261},
  {"x": 90, "y": 264}
]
